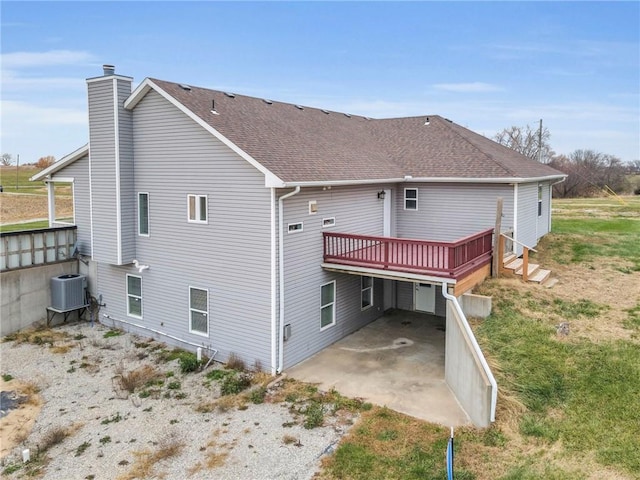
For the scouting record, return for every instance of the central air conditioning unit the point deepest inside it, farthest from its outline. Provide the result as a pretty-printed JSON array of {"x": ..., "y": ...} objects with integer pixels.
[{"x": 68, "y": 292}]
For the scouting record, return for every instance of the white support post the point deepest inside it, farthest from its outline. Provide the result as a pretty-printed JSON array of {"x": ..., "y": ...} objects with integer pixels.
[{"x": 51, "y": 194}]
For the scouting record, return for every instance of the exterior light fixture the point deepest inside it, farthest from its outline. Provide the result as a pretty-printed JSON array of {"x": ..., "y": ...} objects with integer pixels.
[{"x": 381, "y": 194}]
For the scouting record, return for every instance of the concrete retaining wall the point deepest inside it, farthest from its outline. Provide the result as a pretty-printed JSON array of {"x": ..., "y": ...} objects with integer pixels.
[
  {"x": 475, "y": 305},
  {"x": 463, "y": 371},
  {"x": 26, "y": 294}
]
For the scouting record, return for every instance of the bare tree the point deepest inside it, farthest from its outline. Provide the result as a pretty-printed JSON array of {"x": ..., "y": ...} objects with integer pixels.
[
  {"x": 7, "y": 159},
  {"x": 527, "y": 141},
  {"x": 589, "y": 173}
]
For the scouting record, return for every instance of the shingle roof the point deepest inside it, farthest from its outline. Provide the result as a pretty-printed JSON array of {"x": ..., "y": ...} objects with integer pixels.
[{"x": 303, "y": 144}]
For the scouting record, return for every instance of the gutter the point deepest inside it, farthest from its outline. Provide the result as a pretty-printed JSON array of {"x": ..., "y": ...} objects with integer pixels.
[
  {"x": 410, "y": 179},
  {"x": 476, "y": 348},
  {"x": 281, "y": 273}
]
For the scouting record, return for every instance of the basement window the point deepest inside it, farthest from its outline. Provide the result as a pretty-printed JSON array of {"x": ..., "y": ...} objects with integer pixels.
[
  {"x": 134, "y": 296},
  {"x": 366, "y": 292},
  {"x": 199, "y": 311}
]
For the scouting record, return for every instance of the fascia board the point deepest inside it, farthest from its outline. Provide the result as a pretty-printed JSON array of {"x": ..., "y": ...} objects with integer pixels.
[{"x": 63, "y": 162}]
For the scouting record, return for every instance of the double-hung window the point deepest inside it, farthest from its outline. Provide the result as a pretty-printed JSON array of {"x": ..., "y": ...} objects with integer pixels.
[
  {"x": 199, "y": 311},
  {"x": 143, "y": 214},
  {"x": 197, "y": 208},
  {"x": 411, "y": 199},
  {"x": 134, "y": 296},
  {"x": 327, "y": 305},
  {"x": 366, "y": 292}
]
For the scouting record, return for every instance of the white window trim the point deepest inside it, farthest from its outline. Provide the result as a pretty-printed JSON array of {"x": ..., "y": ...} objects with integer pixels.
[
  {"x": 298, "y": 230},
  {"x": 196, "y": 332},
  {"x": 540, "y": 198},
  {"x": 362, "y": 291},
  {"x": 332, "y": 304},
  {"x": 129, "y": 314},
  {"x": 412, "y": 199},
  {"x": 197, "y": 206},
  {"x": 332, "y": 221},
  {"x": 148, "y": 216}
]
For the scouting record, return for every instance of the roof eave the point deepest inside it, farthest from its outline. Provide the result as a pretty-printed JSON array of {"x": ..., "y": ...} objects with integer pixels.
[
  {"x": 409, "y": 179},
  {"x": 63, "y": 162}
]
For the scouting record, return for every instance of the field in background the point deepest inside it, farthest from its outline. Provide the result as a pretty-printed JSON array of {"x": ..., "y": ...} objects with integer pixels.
[
  {"x": 569, "y": 405},
  {"x": 25, "y": 207}
]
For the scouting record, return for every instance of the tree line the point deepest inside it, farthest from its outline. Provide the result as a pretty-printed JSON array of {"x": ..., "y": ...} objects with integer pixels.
[
  {"x": 588, "y": 172},
  {"x": 43, "y": 162}
]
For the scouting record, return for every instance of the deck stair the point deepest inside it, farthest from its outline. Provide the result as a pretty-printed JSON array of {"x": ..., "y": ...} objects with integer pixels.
[{"x": 535, "y": 274}]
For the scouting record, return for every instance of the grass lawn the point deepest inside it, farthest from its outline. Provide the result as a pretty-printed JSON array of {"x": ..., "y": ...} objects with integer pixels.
[
  {"x": 24, "y": 226},
  {"x": 20, "y": 183},
  {"x": 569, "y": 407}
]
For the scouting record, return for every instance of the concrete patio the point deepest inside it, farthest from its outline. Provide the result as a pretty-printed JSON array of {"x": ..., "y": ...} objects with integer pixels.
[{"x": 397, "y": 361}]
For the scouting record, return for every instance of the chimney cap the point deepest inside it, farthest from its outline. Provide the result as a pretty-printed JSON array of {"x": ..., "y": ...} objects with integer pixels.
[{"x": 108, "y": 70}]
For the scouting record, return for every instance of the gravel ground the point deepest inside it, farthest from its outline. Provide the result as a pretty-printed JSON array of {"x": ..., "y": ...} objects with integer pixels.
[{"x": 114, "y": 433}]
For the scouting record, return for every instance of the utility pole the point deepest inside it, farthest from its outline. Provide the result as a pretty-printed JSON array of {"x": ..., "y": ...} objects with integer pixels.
[
  {"x": 540, "y": 142},
  {"x": 17, "y": 170}
]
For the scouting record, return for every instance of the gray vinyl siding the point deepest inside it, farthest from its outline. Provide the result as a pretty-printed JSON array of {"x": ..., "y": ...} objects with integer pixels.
[
  {"x": 127, "y": 199},
  {"x": 527, "y": 215},
  {"x": 405, "y": 298},
  {"x": 447, "y": 212},
  {"x": 229, "y": 256},
  {"x": 105, "y": 177},
  {"x": 543, "y": 220},
  {"x": 357, "y": 210},
  {"x": 79, "y": 171}
]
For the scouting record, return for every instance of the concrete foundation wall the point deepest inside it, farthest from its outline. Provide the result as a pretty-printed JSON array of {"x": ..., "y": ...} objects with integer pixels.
[
  {"x": 26, "y": 294},
  {"x": 475, "y": 305},
  {"x": 464, "y": 373}
]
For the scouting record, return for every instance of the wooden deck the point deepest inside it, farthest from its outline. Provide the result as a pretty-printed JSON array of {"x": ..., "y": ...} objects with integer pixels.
[{"x": 453, "y": 260}]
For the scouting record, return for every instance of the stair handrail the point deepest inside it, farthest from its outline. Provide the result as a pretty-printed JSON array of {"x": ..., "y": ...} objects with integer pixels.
[
  {"x": 525, "y": 255},
  {"x": 519, "y": 243}
]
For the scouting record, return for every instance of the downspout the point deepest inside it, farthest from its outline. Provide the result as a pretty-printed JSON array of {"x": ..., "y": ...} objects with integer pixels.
[
  {"x": 274, "y": 279},
  {"x": 515, "y": 218},
  {"x": 476, "y": 348},
  {"x": 281, "y": 273}
]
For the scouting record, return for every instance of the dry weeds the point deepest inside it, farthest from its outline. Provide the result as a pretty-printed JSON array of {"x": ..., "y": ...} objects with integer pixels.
[{"x": 146, "y": 460}]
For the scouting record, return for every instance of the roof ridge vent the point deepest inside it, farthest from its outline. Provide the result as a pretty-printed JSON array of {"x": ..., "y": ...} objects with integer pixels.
[
  {"x": 230, "y": 95},
  {"x": 325, "y": 111},
  {"x": 348, "y": 115},
  {"x": 186, "y": 87},
  {"x": 267, "y": 101},
  {"x": 299, "y": 107}
]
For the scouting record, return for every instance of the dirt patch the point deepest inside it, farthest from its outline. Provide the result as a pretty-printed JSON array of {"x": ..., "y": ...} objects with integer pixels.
[
  {"x": 16, "y": 425},
  {"x": 21, "y": 207}
]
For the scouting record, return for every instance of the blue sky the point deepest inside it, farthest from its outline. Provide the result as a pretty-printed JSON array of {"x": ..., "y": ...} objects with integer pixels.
[{"x": 484, "y": 65}]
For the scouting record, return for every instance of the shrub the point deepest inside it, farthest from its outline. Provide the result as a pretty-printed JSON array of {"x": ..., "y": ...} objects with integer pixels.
[
  {"x": 234, "y": 384},
  {"x": 188, "y": 362}
]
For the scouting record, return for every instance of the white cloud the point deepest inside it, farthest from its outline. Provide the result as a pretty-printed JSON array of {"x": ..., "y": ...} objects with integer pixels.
[
  {"x": 13, "y": 82},
  {"x": 23, "y": 113},
  {"x": 39, "y": 59},
  {"x": 472, "y": 87}
]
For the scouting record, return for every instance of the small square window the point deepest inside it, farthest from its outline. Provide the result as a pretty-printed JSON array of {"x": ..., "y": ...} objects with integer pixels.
[
  {"x": 313, "y": 207},
  {"x": 294, "y": 227},
  {"x": 328, "y": 222},
  {"x": 411, "y": 199},
  {"x": 197, "y": 208}
]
